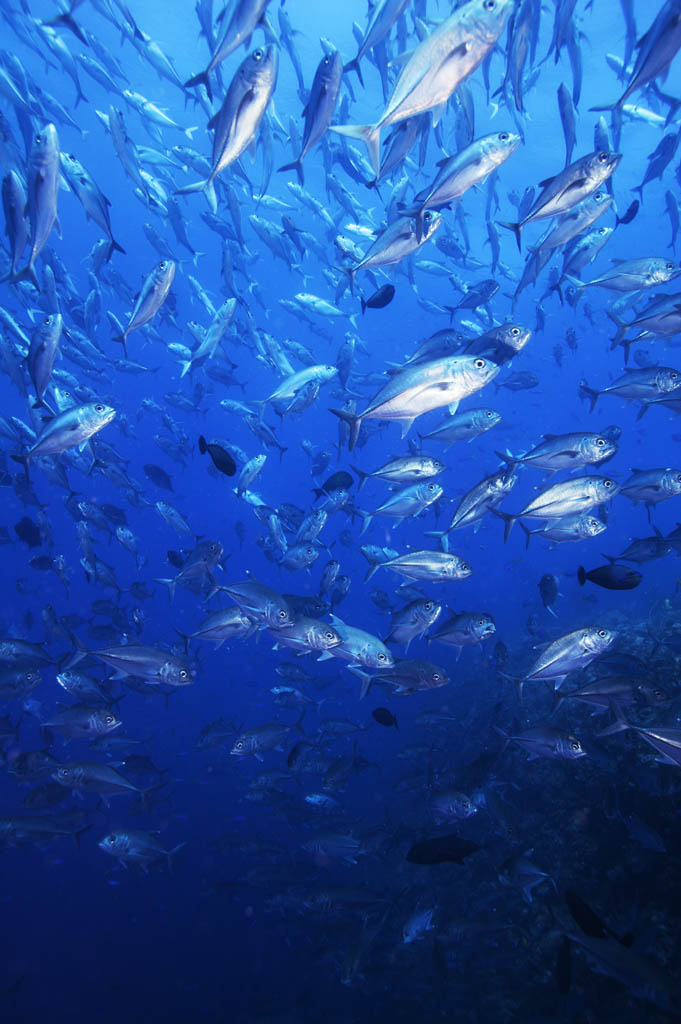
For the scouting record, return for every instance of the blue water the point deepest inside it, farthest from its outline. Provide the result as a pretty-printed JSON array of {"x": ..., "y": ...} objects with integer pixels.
[{"x": 226, "y": 935}]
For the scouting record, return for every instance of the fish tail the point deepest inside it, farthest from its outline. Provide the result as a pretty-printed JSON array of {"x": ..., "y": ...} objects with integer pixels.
[
  {"x": 366, "y": 520},
  {"x": 451, "y": 310},
  {"x": 203, "y": 78},
  {"x": 206, "y": 186},
  {"x": 23, "y": 461},
  {"x": 581, "y": 575},
  {"x": 27, "y": 273},
  {"x": 186, "y": 365},
  {"x": 508, "y": 459},
  {"x": 353, "y": 421},
  {"x": 372, "y": 569},
  {"x": 504, "y": 735},
  {"x": 171, "y": 854},
  {"x": 619, "y": 725},
  {"x": 364, "y": 305},
  {"x": 508, "y": 519},
  {"x": 80, "y": 95},
  {"x": 363, "y": 477},
  {"x": 369, "y": 135},
  {"x": 170, "y": 584},
  {"x": 353, "y": 65},
  {"x": 514, "y": 226},
  {"x": 527, "y": 532},
  {"x": 586, "y": 392},
  {"x": 297, "y": 166},
  {"x": 203, "y": 447},
  {"x": 189, "y": 132},
  {"x": 114, "y": 247},
  {"x": 123, "y": 339}
]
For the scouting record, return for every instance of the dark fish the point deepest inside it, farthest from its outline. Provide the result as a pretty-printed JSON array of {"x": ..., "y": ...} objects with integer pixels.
[
  {"x": 158, "y": 476},
  {"x": 629, "y": 215},
  {"x": 442, "y": 849},
  {"x": 548, "y": 590},
  {"x": 589, "y": 921},
  {"x": 612, "y": 577},
  {"x": 222, "y": 460},
  {"x": 380, "y": 299},
  {"x": 28, "y": 532},
  {"x": 42, "y": 563},
  {"x": 175, "y": 559},
  {"x": 521, "y": 381},
  {"x": 384, "y": 717},
  {"x": 336, "y": 482}
]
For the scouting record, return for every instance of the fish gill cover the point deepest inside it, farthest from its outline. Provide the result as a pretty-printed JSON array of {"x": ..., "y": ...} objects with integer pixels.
[{"x": 340, "y": 626}]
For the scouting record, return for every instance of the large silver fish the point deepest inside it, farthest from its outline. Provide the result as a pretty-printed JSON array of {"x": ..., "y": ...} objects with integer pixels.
[
  {"x": 150, "y": 299},
  {"x": 440, "y": 63},
  {"x": 41, "y": 195},
  {"x": 418, "y": 389},
  {"x": 236, "y": 123}
]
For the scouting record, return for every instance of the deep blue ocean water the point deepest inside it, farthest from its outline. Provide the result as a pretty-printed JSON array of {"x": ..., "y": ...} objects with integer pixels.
[{"x": 229, "y": 934}]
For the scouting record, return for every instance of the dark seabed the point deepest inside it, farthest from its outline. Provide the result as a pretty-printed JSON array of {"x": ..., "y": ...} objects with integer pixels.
[{"x": 340, "y": 640}]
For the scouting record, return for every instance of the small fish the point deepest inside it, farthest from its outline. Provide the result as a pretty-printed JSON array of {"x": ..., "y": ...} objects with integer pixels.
[
  {"x": 222, "y": 460},
  {"x": 611, "y": 577}
]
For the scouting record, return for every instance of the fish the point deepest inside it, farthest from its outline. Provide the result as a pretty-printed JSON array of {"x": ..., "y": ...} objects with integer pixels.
[
  {"x": 220, "y": 458},
  {"x": 42, "y": 190},
  {"x": 442, "y": 849},
  {"x": 153, "y": 294},
  {"x": 612, "y": 577},
  {"x": 422, "y": 388},
  {"x": 440, "y": 63},
  {"x": 320, "y": 107},
  {"x": 237, "y": 122},
  {"x": 380, "y": 298}
]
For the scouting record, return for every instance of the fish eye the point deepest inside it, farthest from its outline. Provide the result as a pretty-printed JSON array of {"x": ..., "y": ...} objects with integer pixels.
[
  {"x": 111, "y": 840},
  {"x": 669, "y": 265},
  {"x": 673, "y": 375},
  {"x": 431, "y": 487},
  {"x": 466, "y": 805},
  {"x": 608, "y": 483},
  {"x": 465, "y": 566},
  {"x": 110, "y": 719},
  {"x": 490, "y": 414},
  {"x": 489, "y": 5},
  {"x": 239, "y": 745},
  {"x": 657, "y": 694},
  {"x": 64, "y": 772},
  {"x": 330, "y": 635},
  {"x": 602, "y": 158},
  {"x": 428, "y": 605},
  {"x": 163, "y": 264},
  {"x": 479, "y": 364},
  {"x": 47, "y": 321},
  {"x": 436, "y": 677},
  {"x": 481, "y": 622},
  {"x": 381, "y": 657},
  {"x": 600, "y": 442},
  {"x": 258, "y": 55},
  {"x": 602, "y": 633},
  {"x": 503, "y": 136},
  {"x": 515, "y": 331},
  {"x": 576, "y": 745},
  {"x": 183, "y": 673},
  {"x": 282, "y": 613},
  {"x": 99, "y": 408}
]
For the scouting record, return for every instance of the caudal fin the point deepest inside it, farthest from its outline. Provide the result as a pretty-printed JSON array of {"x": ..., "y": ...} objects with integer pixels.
[
  {"x": 203, "y": 78},
  {"x": 369, "y": 135},
  {"x": 353, "y": 65},
  {"x": 114, "y": 247},
  {"x": 296, "y": 166},
  {"x": 353, "y": 421},
  {"x": 513, "y": 226},
  {"x": 586, "y": 392},
  {"x": 508, "y": 519},
  {"x": 206, "y": 186}
]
